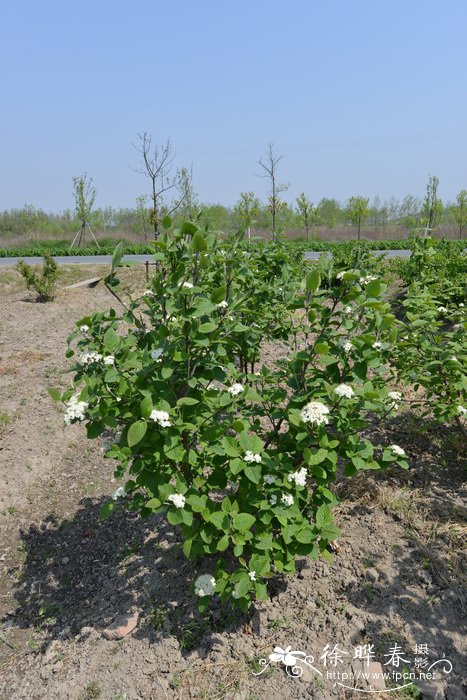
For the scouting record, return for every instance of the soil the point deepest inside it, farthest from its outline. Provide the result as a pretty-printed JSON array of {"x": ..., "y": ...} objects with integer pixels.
[{"x": 396, "y": 577}]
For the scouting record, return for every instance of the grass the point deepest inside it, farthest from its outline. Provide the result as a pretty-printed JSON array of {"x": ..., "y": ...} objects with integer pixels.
[
  {"x": 156, "y": 618},
  {"x": 92, "y": 691},
  {"x": 212, "y": 681},
  {"x": 5, "y": 420}
]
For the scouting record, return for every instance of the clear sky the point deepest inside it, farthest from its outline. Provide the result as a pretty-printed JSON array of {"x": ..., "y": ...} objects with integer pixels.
[{"x": 359, "y": 96}]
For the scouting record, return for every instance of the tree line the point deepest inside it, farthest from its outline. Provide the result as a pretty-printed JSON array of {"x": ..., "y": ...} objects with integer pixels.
[{"x": 171, "y": 193}]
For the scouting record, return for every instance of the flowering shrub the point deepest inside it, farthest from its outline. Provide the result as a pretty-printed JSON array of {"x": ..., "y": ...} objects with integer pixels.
[
  {"x": 431, "y": 353},
  {"x": 239, "y": 453}
]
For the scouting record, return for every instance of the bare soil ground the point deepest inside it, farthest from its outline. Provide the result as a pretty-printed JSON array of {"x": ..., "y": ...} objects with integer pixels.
[{"x": 64, "y": 575}]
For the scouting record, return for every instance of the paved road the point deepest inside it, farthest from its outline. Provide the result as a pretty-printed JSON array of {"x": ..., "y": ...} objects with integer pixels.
[{"x": 106, "y": 259}]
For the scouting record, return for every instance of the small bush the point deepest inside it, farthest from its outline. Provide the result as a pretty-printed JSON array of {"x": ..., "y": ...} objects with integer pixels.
[{"x": 43, "y": 283}]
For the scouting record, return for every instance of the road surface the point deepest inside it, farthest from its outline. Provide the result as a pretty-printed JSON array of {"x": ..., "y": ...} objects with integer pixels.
[{"x": 106, "y": 259}]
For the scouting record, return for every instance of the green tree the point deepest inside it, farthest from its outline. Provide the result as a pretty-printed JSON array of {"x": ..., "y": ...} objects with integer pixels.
[
  {"x": 358, "y": 212},
  {"x": 330, "y": 212},
  {"x": 85, "y": 195},
  {"x": 432, "y": 205},
  {"x": 187, "y": 204},
  {"x": 308, "y": 213},
  {"x": 459, "y": 212},
  {"x": 247, "y": 210}
]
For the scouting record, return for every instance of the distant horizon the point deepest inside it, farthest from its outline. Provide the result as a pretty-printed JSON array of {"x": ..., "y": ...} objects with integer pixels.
[
  {"x": 283, "y": 196},
  {"x": 359, "y": 98}
]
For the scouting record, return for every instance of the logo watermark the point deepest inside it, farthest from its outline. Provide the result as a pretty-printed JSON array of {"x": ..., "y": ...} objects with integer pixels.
[{"x": 394, "y": 668}]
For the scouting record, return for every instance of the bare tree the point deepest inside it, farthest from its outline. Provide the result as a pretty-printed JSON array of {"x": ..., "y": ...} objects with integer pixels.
[
  {"x": 156, "y": 164},
  {"x": 269, "y": 166}
]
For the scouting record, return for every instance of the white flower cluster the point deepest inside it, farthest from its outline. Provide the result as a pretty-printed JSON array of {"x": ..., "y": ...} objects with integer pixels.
[
  {"x": 340, "y": 274},
  {"x": 177, "y": 499},
  {"x": 156, "y": 354},
  {"x": 315, "y": 413},
  {"x": 222, "y": 305},
  {"x": 205, "y": 585},
  {"x": 87, "y": 358},
  {"x": 187, "y": 285},
  {"x": 344, "y": 391},
  {"x": 75, "y": 410},
  {"x": 397, "y": 450},
  {"x": 442, "y": 310},
  {"x": 396, "y": 398},
  {"x": 84, "y": 328},
  {"x": 250, "y": 457},
  {"x": 109, "y": 360},
  {"x": 462, "y": 411},
  {"x": 269, "y": 478},
  {"x": 161, "y": 417},
  {"x": 367, "y": 279},
  {"x": 377, "y": 345},
  {"x": 149, "y": 293},
  {"x": 348, "y": 347},
  {"x": 252, "y": 575},
  {"x": 286, "y": 498},
  {"x": 298, "y": 477},
  {"x": 235, "y": 389}
]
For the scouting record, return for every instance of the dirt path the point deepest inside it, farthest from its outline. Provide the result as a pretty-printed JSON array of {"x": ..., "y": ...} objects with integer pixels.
[{"x": 64, "y": 576}]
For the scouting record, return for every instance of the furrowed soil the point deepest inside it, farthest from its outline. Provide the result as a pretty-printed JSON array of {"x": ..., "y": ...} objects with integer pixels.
[{"x": 396, "y": 577}]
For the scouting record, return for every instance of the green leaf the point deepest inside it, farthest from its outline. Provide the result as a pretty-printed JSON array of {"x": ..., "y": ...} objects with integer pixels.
[
  {"x": 188, "y": 228},
  {"x": 153, "y": 504},
  {"x": 146, "y": 407},
  {"x": 317, "y": 457},
  {"x": 261, "y": 591},
  {"x": 218, "y": 294},
  {"x": 330, "y": 532},
  {"x": 54, "y": 393},
  {"x": 136, "y": 432},
  {"x": 110, "y": 339},
  {"x": 187, "y": 517},
  {"x": 106, "y": 510},
  {"x": 313, "y": 281},
  {"x": 207, "y": 327},
  {"x": 198, "y": 242},
  {"x": 375, "y": 288},
  {"x": 94, "y": 429},
  {"x": 117, "y": 256},
  {"x": 243, "y": 521},
  {"x": 198, "y": 503},
  {"x": 219, "y": 519},
  {"x": 166, "y": 222},
  {"x": 322, "y": 348},
  {"x": 323, "y": 516},
  {"x": 174, "y": 517},
  {"x": 187, "y": 401},
  {"x": 306, "y": 535},
  {"x": 223, "y": 543},
  {"x": 253, "y": 473}
]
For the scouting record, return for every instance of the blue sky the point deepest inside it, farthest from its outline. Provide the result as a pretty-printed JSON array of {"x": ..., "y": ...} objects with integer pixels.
[{"x": 359, "y": 96}]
